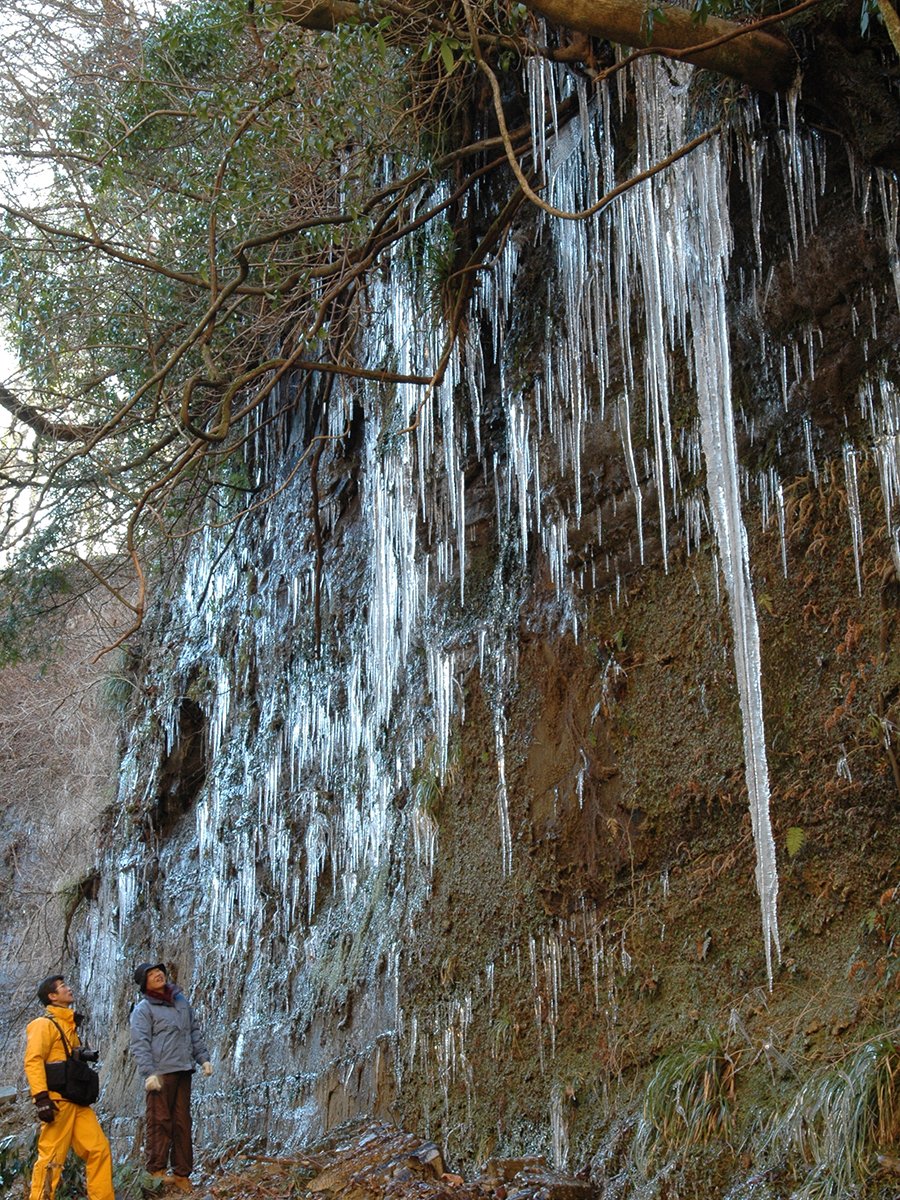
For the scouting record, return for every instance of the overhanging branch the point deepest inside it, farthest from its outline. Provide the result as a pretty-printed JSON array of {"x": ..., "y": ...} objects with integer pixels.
[
  {"x": 325, "y": 15},
  {"x": 41, "y": 423},
  {"x": 754, "y": 56}
]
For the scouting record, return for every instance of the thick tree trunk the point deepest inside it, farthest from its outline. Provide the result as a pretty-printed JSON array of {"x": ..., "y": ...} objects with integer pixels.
[
  {"x": 322, "y": 14},
  {"x": 757, "y": 58}
]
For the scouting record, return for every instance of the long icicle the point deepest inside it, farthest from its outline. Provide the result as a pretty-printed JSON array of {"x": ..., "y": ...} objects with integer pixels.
[{"x": 706, "y": 285}]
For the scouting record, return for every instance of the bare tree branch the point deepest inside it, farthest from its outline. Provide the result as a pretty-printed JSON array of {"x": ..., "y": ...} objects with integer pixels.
[{"x": 40, "y": 422}]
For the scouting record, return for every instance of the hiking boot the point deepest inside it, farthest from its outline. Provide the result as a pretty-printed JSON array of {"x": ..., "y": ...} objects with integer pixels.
[{"x": 181, "y": 1182}]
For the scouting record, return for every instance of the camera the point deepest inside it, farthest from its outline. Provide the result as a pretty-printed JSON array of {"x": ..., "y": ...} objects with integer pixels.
[{"x": 86, "y": 1055}]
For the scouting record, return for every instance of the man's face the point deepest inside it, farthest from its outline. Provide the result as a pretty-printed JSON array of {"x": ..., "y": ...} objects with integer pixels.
[
  {"x": 63, "y": 995},
  {"x": 156, "y": 980}
]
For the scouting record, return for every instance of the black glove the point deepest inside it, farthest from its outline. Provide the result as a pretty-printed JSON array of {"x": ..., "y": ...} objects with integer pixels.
[{"x": 44, "y": 1107}]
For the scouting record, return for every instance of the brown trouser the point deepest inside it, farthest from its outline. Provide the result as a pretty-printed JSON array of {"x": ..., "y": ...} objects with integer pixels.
[{"x": 169, "y": 1125}]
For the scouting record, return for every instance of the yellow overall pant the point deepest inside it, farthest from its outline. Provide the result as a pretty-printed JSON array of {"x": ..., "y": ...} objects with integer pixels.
[{"x": 74, "y": 1126}]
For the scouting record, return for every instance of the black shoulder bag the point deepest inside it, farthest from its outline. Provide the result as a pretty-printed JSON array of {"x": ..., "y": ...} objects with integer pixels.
[{"x": 73, "y": 1079}]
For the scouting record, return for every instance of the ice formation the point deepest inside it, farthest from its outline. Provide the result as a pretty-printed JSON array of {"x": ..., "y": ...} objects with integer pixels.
[{"x": 308, "y": 788}]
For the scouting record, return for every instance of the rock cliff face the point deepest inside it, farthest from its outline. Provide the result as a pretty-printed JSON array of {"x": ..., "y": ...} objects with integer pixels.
[
  {"x": 59, "y": 748},
  {"x": 434, "y": 791}
]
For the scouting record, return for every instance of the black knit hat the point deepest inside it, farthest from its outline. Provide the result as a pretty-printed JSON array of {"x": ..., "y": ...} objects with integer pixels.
[{"x": 142, "y": 970}]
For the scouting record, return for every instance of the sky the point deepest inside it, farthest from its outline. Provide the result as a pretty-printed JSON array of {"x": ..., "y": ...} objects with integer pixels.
[{"x": 8, "y": 363}]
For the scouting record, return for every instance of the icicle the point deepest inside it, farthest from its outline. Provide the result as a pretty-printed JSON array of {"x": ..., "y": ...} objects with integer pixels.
[
  {"x": 502, "y": 796},
  {"x": 558, "y": 1129},
  {"x": 782, "y": 534},
  {"x": 854, "y": 511},
  {"x": 713, "y": 369}
]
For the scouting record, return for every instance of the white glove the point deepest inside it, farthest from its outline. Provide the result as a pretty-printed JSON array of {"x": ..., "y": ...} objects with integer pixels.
[
  {"x": 153, "y": 1084},
  {"x": 207, "y": 1068}
]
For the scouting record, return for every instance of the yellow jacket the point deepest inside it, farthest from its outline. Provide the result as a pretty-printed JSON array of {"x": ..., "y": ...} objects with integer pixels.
[{"x": 43, "y": 1044}]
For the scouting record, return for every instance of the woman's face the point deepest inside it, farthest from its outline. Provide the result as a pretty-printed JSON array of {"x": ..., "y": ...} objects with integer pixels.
[{"x": 156, "y": 980}]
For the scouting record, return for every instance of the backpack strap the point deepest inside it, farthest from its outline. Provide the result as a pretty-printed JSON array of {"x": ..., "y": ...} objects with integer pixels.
[{"x": 61, "y": 1034}]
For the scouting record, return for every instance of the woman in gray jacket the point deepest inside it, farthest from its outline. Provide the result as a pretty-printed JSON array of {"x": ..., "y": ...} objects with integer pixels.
[{"x": 167, "y": 1043}]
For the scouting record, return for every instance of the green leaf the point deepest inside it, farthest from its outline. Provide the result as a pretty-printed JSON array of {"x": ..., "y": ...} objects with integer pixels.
[
  {"x": 447, "y": 57},
  {"x": 794, "y": 840}
]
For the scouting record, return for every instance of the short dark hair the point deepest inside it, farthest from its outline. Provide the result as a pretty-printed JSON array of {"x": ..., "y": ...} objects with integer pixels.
[{"x": 46, "y": 986}]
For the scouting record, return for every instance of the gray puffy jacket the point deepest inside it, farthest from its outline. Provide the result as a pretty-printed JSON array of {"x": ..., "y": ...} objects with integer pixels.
[{"x": 166, "y": 1037}]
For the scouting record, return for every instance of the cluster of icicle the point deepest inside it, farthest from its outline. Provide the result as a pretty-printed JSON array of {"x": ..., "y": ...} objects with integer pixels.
[{"x": 337, "y": 736}]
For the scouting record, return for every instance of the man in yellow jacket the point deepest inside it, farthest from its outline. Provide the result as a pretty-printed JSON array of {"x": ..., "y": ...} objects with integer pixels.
[{"x": 63, "y": 1123}]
